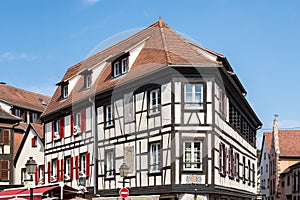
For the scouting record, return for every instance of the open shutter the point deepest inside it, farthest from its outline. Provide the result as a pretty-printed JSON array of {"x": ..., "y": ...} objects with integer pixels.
[
  {"x": 37, "y": 175},
  {"x": 62, "y": 126},
  {"x": 88, "y": 161},
  {"x": 53, "y": 130},
  {"x": 77, "y": 167},
  {"x": 71, "y": 168},
  {"x": 62, "y": 169},
  {"x": 220, "y": 158},
  {"x": 82, "y": 120},
  {"x": 72, "y": 124},
  {"x": 49, "y": 172},
  {"x": 57, "y": 170}
]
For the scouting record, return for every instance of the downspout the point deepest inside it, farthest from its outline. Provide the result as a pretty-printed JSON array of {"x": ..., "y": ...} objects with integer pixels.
[{"x": 95, "y": 153}]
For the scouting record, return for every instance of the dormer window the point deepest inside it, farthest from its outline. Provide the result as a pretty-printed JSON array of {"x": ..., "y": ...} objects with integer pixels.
[
  {"x": 87, "y": 81},
  {"x": 120, "y": 66},
  {"x": 64, "y": 91}
]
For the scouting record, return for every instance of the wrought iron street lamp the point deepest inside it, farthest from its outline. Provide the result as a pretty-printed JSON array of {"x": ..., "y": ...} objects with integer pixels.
[
  {"x": 124, "y": 170},
  {"x": 31, "y": 170}
]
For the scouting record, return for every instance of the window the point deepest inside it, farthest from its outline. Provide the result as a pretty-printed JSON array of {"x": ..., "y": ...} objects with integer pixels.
[
  {"x": 193, "y": 96},
  {"x": 34, "y": 141},
  {"x": 4, "y": 136},
  {"x": 109, "y": 116},
  {"x": 267, "y": 167},
  {"x": 34, "y": 117},
  {"x": 17, "y": 112},
  {"x": 154, "y": 101},
  {"x": 109, "y": 164},
  {"x": 77, "y": 121},
  {"x": 83, "y": 163},
  {"x": 265, "y": 155},
  {"x": 67, "y": 168},
  {"x": 41, "y": 173},
  {"x": 4, "y": 168},
  {"x": 64, "y": 91},
  {"x": 124, "y": 65},
  {"x": 87, "y": 81},
  {"x": 24, "y": 175},
  {"x": 154, "y": 157},
  {"x": 236, "y": 165},
  {"x": 117, "y": 69},
  {"x": 120, "y": 66},
  {"x": 129, "y": 107},
  {"x": 230, "y": 162},
  {"x": 54, "y": 170},
  {"x": 222, "y": 159},
  {"x": 261, "y": 170},
  {"x": 192, "y": 156},
  {"x": 56, "y": 129}
]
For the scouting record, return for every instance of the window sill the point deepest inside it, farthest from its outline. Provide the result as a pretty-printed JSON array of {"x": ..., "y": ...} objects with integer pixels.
[
  {"x": 109, "y": 126},
  {"x": 156, "y": 114},
  {"x": 109, "y": 178}
]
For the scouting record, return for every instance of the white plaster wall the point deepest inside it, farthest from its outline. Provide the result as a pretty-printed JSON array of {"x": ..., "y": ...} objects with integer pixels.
[
  {"x": 5, "y": 106},
  {"x": 263, "y": 174}
]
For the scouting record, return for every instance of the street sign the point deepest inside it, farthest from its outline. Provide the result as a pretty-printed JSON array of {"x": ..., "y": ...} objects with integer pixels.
[{"x": 124, "y": 192}]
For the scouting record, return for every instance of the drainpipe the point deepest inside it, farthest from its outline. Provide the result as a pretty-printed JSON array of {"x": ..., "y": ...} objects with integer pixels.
[{"x": 95, "y": 154}]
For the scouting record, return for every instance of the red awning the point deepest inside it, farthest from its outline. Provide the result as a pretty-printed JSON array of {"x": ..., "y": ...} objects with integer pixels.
[{"x": 9, "y": 193}]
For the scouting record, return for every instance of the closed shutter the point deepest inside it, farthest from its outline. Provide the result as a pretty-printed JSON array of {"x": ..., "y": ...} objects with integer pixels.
[
  {"x": 88, "y": 161},
  {"x": 36, "y": 175},
  {"x": 62, "y": 126},
  {"x": 33, "y": 142},
  {"x": 6, "y": 137},
  {"x": 71, "y": 168},
  {"x": 82, "y": 120},
  {"x": 4, "y": 170},
  {"x": 53, "y": 124},
  {"x": 57, "y": 170},
  {"x": 77, "y": 167},
  {"x": 72, "y": 124},
  {"x": 62, "y": 170},
  {"x": 49, "y": 172}
]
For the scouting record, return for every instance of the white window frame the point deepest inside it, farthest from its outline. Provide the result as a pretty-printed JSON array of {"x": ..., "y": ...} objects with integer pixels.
[
  {"x": 82, "y": 161},
  {"x": 41, "y": 173},
  {"x": 54, "y": 168},
  {"x": 88, "y": 81},
  {"x": 65, "y": 91},
  {"x": 77, "y": 119},
  {"x": 117, "y": 70},
  {"x": 124, "y": 64},
  {"x": 109, "y": 119},
  {"x": 56, "y": 127},
  {"x": 154, "y": 101},
  {"x": 154, "y": 162},
  {"x": 192, "y": 159},
  {"x": 109, "y": 162},
  {"x": 67, "y": 167},
  {"x": 193, "y": 103}
]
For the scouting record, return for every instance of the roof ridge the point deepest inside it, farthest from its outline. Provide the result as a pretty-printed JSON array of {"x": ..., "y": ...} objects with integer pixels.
[
  {"x": 26, "y": 90},
  {"x": 163, "y": 37}
]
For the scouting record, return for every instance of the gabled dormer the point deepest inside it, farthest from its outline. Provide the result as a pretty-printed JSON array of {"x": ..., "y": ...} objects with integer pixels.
[
  {"x": 64, "y": 89},
  {"x": 120, "y": 65},
  {"x": 87, "y": 78}
]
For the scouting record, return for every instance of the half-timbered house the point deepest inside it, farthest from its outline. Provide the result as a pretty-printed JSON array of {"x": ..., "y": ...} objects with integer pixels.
[{"x": 170, "y": 109}]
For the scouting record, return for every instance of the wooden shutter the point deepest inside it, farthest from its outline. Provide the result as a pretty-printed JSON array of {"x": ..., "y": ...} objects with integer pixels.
[
  {"x": 53, "y": 124},
  {"x": 62, "y": 170},
  {"x": 72, "y": 124},
  {"x": 77, "y": 167},
  {"x": 88, "y": 161},
  {"x": 220, "y": 158},
  {"x": 6, "y": 137},
  {"x": 82, "y": 120},
  {"x": 61, "y": 128},
  {"x": 49, "y": 172},
  {"x": 71, "y": 168},
  {"x": 229, "y": 161},
  {"x": 33, "y": 142},
  {"x": 57, "y": 170},
  {"x": 4, "y": 170},
  {"x": 36, "y": 175}
]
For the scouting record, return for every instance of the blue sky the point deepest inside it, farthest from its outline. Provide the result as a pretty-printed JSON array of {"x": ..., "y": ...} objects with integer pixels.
[{"x": 39, "y": 40}]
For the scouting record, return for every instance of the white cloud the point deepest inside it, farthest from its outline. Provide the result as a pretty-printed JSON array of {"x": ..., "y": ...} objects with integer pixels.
[
  {"x": 9, "y": 56},
  {"x": 288, "y": 124}
]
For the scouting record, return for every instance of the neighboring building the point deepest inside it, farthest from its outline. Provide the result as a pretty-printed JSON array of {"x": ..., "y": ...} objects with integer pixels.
[
  {"x": 22, "y": 107},
  {"x": 290, "y": 183},
  {"x": 264, "y": 165},
  {"x": 32, "y": 146},
  {"x": 173, "y": 111},
  {"x": 285, "y": 151}
]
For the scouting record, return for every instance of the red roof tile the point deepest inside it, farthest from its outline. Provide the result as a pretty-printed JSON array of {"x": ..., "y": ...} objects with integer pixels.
[
  {"x": 268, "y": 140},
  {"x": 163, "y": 47},
  {"x": 39, "y": 129},
  {"x": 7, "y": 116},
  {"x": 18, "y": 137},
  {"x": 22, "y": 98}
]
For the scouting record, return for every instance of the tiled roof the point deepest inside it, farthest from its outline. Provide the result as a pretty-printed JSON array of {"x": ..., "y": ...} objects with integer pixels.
[
  {"x": 163, "y": 48},
  {"x": 7, "y": 116},
  {"x": 18, "y": 137},
  {"x": 22, "y": 98},
  {"x": 268, "y": 140},
  {"x": 39, "y": 129}
]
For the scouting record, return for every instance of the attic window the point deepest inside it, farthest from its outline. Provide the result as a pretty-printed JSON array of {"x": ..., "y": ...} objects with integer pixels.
[
  {"x": 64, "y": 91},
  {"x": 120, "y": 66},
  {"x": 43, "y": 102},
  {"x": 87, "y": 81}
]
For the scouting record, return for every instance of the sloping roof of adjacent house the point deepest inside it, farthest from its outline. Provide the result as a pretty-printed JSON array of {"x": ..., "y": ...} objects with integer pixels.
[
  {"x": 7, "y": 116},
  {"x": 268, "y": 140},
  {"x": 18, "y": 137},
  {"x": 289, "y": 141},
  {"x": 163, "y": 48},
  {"x": 23, "y": 98}
]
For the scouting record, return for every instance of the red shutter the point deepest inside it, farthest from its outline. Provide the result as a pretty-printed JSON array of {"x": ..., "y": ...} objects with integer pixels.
[
  {"x": 49, "y": 172},
  {"x": 77, "y": 167},
  {"x": 57, "y": 170},
  {"x": 62, "y": 170},
  {"x": 62, "y": 125},
  {"x": 71, "y": 168},
  {"x": 88, "y": 161},
  {"x": 220, "y": 158},
  {"x": 82, "y": 120},
  {"x": 53, "y": 124},
  {"x": 72, "y": 124},
  {"x": 43, "y": 178},
  {"x": 229, "y": 161},
  {"x": 36, "y": 176},
  {"x": 32, "y": 142}
]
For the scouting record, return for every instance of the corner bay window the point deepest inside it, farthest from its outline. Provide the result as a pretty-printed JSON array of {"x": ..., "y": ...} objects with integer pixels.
[
  {"x": 154, "y": 157},
  {"x": 192, "y": 155},
  {"x": 154, "y": 101},
  {"x": 193, "y": 96}
]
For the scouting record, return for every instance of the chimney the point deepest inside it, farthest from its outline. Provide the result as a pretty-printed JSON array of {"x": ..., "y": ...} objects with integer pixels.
[{"x": 276, "y": 136}]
